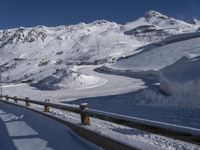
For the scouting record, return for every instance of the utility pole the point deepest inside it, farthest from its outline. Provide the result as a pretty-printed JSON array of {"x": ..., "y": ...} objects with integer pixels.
[
  {"x": 98, "y": 46},
  {"x": 117, "y": 42},
  {"x": 1, "y": 86}
]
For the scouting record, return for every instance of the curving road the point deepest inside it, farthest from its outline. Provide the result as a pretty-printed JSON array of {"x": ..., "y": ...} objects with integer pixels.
[
  {"x": 110, "y": 85},
  {"x": 114, "y": 84}
]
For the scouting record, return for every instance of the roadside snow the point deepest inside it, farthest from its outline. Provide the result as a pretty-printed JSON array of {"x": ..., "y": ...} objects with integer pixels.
[
  {"x": 182, "y": 81},
  {"x": 22, "y": 129},
  {"x": 134, "y": 137}
]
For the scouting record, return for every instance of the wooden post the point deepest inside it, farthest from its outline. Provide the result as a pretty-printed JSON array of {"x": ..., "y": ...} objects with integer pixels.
[
  {"x": 15, "y": 99},
  {"x": 46, "y": 107},
  {"x": 7, "y": 98},
  {"x": 85, "y": 119},
  {"x": 27, "y": 101}
]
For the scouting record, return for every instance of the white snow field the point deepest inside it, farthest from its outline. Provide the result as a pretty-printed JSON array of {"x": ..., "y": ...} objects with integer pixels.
[
  {"x": 147, "y": 68},
  {"x": 22, "y": 129}
]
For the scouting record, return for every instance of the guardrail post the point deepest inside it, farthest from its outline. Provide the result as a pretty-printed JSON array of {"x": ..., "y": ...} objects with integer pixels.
[
  {"x": 15, "y": 99},
  {"x": 85, "y": 119},
  {"x": 27, "y": 101},
  {"x": 7, "y": 98},
  {"x": 46, "y": 107}
]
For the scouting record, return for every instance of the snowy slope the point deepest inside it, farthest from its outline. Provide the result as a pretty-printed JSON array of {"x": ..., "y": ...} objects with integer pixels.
[
  {"x": 159, "y": 20},
  {"x": 45, "y": 55},
  {"x": 160, "y": 57},
  {"x": 39, "y": 54},
  {"x": 156, "y": 26},
  {"x": 182, "y": 79},
  {"x": 184, "y": 70},
  {"x": 174, "y": 66}
]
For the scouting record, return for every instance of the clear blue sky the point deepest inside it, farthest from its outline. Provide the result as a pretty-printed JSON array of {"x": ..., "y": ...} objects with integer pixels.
[{"x": 15, "y": 13}]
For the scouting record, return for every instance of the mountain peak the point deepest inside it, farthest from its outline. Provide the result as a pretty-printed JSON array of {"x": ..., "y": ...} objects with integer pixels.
[
  {"x": 152, "y": 13},
  {"x": 103, "y": 21}
]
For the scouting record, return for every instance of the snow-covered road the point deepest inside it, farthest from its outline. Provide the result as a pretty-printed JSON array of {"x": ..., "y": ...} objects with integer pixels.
[
  {"x": 114, "y": 84},
  {"x": 22, "y": 129},
  {"x": 111, "y": 85}
]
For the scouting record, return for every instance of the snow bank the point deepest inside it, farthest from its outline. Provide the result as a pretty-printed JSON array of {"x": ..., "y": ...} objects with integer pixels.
[
  {"x": 67, "y": 79},
  {"x": 25, "y": 130},
  {"x": 182, "y": 79}
]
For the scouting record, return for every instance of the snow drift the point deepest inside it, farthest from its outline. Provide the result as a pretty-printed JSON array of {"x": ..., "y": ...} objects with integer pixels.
[
  {"x": 63, "y": 79},
  {"x": 183, "y": 80}
]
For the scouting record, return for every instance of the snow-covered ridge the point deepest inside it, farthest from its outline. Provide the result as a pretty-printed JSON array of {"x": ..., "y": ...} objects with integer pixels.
[
  {"x": 159, "y": 20},
  {"x": 156, "y": 26}
]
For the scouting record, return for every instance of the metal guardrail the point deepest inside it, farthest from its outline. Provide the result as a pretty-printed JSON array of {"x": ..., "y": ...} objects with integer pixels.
[{"x": 187, "y": 134}]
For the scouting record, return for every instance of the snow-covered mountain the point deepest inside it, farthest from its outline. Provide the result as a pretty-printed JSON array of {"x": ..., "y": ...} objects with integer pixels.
[
  {"x": 156, "y": 26},
  {"x": 44, "y": 53}
]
